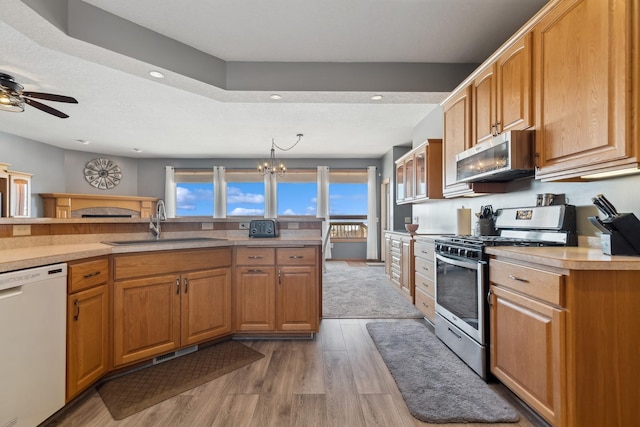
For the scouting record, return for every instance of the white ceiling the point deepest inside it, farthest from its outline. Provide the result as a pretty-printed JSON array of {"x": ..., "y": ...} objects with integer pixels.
[{"x": 121, "y": 108}]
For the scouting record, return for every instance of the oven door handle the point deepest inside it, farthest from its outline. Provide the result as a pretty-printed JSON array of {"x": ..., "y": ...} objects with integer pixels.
[{"x": 474, "y": 265}]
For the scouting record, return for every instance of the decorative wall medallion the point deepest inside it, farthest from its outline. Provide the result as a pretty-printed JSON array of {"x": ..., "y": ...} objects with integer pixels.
[{"x": 102, "y": 173}]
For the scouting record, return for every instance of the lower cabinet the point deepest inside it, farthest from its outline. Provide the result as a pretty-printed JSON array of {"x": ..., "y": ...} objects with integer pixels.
[
  {"x": 424, "y": 279},
  {"x": 162, "y": 312},
  {"x": 88, "y": 331},
  {"x": 399, "y": 262},
  {"x": 566, "y": 341},
  {"x": 277, "y": 290}
]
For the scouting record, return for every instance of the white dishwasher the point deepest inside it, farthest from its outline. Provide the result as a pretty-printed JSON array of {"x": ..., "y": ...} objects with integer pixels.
[{"x": 32, "y": 344}]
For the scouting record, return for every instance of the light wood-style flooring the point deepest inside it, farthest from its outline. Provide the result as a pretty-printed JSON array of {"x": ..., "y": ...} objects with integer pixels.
[{"x": 337, "y": 379}]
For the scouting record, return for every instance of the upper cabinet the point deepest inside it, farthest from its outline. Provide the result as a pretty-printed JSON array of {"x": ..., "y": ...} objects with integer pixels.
[
  {"x": 572, "y": 74},
  {"x": 586, "y": 84},
  {"x": 419, "y": 173},
  {"x": 457, "y": 138}
]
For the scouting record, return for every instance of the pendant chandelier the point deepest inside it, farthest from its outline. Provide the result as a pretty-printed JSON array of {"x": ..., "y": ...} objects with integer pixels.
[{"x": 273, "y": 166}]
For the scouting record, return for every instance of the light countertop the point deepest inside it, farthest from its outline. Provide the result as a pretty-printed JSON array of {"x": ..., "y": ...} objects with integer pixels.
[
  {"x": 572, "y": 258},
  {"x": 34, "y": 256}
]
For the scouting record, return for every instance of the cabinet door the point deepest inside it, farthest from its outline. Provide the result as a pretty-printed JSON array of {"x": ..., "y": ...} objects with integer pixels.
[
  {"x": 515, "y": 87},
  {"x": 457, "y": 138},
  {"x": 484, "y": 105},
  {"x": 406, "y": 267},
  {"x": 255, "y": 298},
  {"x": 296, "y": 299},
  {"x": 409, "y": 179},
  {"x": 146, "y": 317},
  {"x": 527, "y": 351},
  {"x": 206, "y": 305},
  {"x": 583, "y": 65},
  {"x": 420, "y": 164},
  {"x": 87, "y": 338},
  {"x": 400, "y": 182}
]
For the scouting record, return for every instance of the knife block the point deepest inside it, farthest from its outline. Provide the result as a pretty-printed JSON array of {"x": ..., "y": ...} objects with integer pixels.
[{"x": 624, "y": 237}]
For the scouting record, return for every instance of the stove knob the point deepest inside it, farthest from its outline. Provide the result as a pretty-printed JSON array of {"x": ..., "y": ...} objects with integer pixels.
[
  {"x": 472, "y": 254},
  {"x": 453, "y": 251},
  {"x": 463, "y": 252}
]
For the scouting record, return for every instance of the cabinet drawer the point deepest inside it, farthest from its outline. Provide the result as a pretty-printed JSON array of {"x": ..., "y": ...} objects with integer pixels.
[
  {"x": 425, "y": 284},
  {"x": 163, "y": 262},
  {"x": 255, "y": 256},
  {"x": 425, "y": 267},
  {"x": 424, "y": 250},
  {"x": 296, "y": 256},
  {"x": 425, "y": 304},
  {"x": 396, "y": 244},
  {"x": 88, "y": 274},
  {"x": 544, "y": 285}
]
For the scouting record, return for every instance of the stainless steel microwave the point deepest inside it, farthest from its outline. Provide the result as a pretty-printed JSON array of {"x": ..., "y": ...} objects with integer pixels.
[{"x": 506, "y": 157}]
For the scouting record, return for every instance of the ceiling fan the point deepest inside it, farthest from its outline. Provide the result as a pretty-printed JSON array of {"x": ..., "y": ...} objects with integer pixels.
[{"x": 13, "y": 97}]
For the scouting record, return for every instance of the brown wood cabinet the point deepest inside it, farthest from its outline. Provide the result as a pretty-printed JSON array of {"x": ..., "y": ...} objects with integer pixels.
[
  {"x": 457, "y": 138},
  {"x": 419, "y": 173},
  {"x": 587, "y": 88},
  {"x": 566, "y": 341},
  {"x": 277, "y": 290},
  {"x": 424, "y": 276},
  {"x": 170, "y": 299},
  {"x": 88, "y": 324},
  {"x": 503, "y": 92},
  {"x": 399, "y": 264}
]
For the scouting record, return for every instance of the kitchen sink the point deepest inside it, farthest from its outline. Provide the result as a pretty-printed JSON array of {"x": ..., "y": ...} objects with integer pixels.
[{"x": 161, "y": 241}]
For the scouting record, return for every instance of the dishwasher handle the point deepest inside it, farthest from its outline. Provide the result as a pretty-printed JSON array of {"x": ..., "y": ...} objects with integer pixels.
[{"x": 10, "y": 292}]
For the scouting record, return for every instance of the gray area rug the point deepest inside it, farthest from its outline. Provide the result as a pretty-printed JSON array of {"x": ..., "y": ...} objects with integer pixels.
[
  {"x": 362, "y": 292},
  {"x": 435, "y": 384}
]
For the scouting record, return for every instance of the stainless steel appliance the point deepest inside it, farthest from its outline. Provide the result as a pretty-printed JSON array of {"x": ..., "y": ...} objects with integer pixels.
[
  {"x": 462, "y": 275},
  {"x": 505, "y": 157}
]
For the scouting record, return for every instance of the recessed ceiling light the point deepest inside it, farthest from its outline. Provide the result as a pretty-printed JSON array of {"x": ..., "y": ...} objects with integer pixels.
[
  {"x": 156, "y": 74},
  {"x": 137, "y": 150},
  {"x": 275, "y": 97},
  {"x": 83, "y": 141},
  {"x": 376, "y": 97}
]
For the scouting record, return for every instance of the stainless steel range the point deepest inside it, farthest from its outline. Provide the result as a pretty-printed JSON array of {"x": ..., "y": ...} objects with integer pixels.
[{"x": 462, "y": 282}]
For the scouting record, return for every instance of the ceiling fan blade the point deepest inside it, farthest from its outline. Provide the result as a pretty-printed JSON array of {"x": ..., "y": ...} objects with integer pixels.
[
  {"x": 45, "y": 108},
  {"x": 50, "y": 97}
]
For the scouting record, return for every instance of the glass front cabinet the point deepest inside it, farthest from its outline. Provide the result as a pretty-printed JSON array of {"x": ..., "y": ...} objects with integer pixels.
[{"x": 419, "y": 173}]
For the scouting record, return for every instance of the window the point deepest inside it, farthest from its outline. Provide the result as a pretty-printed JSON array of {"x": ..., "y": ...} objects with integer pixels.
[
  {"x": 245, "y": 193},
  {"x": 297, "y": 192},
  {"x": 347, "y": 192},
  {"x": 194, "y": 192}
]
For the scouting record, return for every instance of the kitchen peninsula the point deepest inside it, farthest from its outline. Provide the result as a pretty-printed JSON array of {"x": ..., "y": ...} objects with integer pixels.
[{"x": 205, "y": 280}]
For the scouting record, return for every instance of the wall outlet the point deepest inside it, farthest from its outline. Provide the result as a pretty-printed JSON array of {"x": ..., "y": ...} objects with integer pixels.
[
  {"x": 207, "y": 226},
  {"x": 244, "y": 226},
  {"x": 22, "y": 230},
  {"x": 407, "y": 220}
]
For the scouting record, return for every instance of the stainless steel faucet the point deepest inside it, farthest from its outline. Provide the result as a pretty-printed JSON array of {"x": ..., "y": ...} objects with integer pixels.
[{"x": 161, "y": 215}]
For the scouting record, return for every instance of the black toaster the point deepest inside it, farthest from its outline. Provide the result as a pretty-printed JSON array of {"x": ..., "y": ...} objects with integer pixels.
[{"x": 263, "y": 228}]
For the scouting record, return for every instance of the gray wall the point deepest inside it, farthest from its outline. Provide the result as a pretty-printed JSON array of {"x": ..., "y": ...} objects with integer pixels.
[
  {"x": 398, "y": 212},
  {"x": 56, "y": 170}
]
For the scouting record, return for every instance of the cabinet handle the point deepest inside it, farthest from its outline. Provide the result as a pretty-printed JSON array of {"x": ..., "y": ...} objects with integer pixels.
[
  {"x": 186, "y": 285},
  {"x": 425, "y": 304},
  {"x": 296, "y": 257},
  {"x": 177, "y": 286},
  {"x": 493, "y": 130},
  {"x": 425, "y": 268},
  {"x": 255, "y": 257},
  {"x": 489, "y": 297},
  {"x": 512, "y": 277},
  {"x": 279, "y": 277},
  {"x": 76, "y": 303},
  {"x": 95, "y": 273},
  {"x": 254, "y": 270},
  {"x": 498, "y": 128}
]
